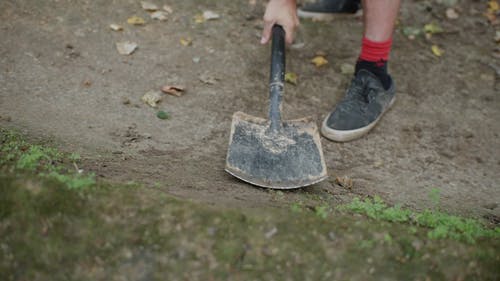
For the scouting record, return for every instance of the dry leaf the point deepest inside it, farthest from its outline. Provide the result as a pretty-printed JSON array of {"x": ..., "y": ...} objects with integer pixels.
[
  {"x": 493, "y": 6},
  {"x": 451, "y": 14},
  {"x": 168, "y": 9},
  {"x": 344, "y": 182},
  {"x": 186, "y": 41},
  {"x": 115, "y": 27},
  {"x": 159, "y": 15},
  {"x": 199, "y": 18},
  {"x": 210, "y": 15},
  {"x": 152, "y": 98},
  {"x": 126, "y": 48},
  {"x": 173, "y": 90},
  {"x": 291, "y": 78},
  {"x": 346, "y": 68},
  {"x": 319, "y": 61},
  {"x": 437, "y": 51},
  {"x": 148, "y": 6},
  {"x": 135, "y": 20}
]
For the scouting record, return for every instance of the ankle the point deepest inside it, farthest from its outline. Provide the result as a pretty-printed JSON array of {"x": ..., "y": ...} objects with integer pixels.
[{"x": 378, "y": 68}]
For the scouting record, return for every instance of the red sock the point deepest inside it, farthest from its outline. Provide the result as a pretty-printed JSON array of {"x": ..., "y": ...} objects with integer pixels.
[
  {"x": 375, "y": 51},
  {"x": 373, "y": 58}
]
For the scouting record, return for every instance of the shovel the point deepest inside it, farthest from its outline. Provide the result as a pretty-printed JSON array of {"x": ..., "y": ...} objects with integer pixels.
[{"x": 274, "y": 153}]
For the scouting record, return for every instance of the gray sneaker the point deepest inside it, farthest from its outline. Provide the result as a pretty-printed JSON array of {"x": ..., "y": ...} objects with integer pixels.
[
  {"x": 327, "y": 9},
  {"x": 363, "y": 105}
]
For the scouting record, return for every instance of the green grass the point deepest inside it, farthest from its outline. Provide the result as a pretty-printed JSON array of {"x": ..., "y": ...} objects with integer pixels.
[
  {"x": 439, "y": 225},
  {"x": 16, "y": 153}
]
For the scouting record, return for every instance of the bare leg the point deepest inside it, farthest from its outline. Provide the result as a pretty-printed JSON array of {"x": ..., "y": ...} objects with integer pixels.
[{"x": 379, "y": 17}]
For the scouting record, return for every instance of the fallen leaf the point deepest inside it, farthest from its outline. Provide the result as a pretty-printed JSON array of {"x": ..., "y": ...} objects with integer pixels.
[
  {"x": 437, "y": 51},
  {"x": 451, "y": 14},
  {"x": 168, "y": 9},
  {"x": 199, "y": 18},
  {"x": 126, "y": 48},
  {"x": 319, "y": 61},
  {"x": 347, "y": 68},
  {"x": 87, "y": 83},
  {"x": 135, "y": 20},
  {"x": 493, "y": 6},
  {"x": 186, "y": 41},
  {"x": 291, "y": 78},
  {"x": 148, "y": 6},
  {"x": 210, "y": 15},
  {"x": 432, "y": 28},
  {"x": 207, "y": 79},
  {"x": 115, "y": 27},
  {"x": 344, "y": 182},
  {"x": 162, "y": 115},
  {"x": 159, "y": 15},
  {"x": 173, "y": 90},
  {"x": 152, "y": 98}
]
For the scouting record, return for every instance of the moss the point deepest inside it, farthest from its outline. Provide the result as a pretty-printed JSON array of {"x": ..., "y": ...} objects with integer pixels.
[{"x": 439, "y": 225}]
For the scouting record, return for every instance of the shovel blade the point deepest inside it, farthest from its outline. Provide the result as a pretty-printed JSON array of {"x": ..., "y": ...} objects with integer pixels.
[{"x": 290, "y": 158}]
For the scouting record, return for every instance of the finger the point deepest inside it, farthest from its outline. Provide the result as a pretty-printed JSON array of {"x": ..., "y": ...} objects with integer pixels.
[
  {"x": 266, "y": 32},
  {"x": 289, "y": 34}
]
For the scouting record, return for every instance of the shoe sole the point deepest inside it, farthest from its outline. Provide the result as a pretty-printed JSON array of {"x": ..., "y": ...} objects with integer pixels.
[
  {"x": 324, "y": 16},
  {"x": 349, "y": 135}
]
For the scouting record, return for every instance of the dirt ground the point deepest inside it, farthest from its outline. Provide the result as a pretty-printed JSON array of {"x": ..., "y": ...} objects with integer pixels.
[{"x": 61, "y": 78}]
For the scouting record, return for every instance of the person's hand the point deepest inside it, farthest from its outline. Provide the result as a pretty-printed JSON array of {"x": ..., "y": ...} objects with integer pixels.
[{"x": 284, "y": 13}]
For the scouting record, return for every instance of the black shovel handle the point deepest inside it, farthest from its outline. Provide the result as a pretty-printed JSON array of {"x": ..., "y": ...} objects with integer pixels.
[{"x": 276, "y": 82}]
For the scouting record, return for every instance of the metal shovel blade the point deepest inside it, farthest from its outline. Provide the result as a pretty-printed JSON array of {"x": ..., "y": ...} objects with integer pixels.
[{"x": 285, "y": 159}]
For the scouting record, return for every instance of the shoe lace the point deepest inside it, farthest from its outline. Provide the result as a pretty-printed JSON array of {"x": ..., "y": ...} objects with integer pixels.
[{"x": 359, "y": 95}]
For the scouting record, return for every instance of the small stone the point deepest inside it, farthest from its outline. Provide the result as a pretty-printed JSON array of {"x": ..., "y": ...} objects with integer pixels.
[
  {"x": 451, "y": 14},
  {"x": 332, "y": 236},
  {"x": 115, "y": 27},
  {"x": 271, "y": 232},
  {"x": 212, "y": 231},
  {"x": 127, "y": 253},
  {"x": 148, "y": 6},
  {"x": 159, "y": 15},
  {"x": 210, "y": 15}
]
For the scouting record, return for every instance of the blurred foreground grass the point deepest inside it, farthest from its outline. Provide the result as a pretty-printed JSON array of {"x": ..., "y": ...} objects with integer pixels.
[{"x": 57, "y": 223}]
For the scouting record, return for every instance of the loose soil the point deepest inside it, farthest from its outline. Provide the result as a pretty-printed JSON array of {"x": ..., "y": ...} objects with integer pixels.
[{"x": 61, "y": 78}]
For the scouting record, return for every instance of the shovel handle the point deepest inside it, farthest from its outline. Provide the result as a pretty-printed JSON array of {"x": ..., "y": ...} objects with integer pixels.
[{"x": 276, "y": 82}]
